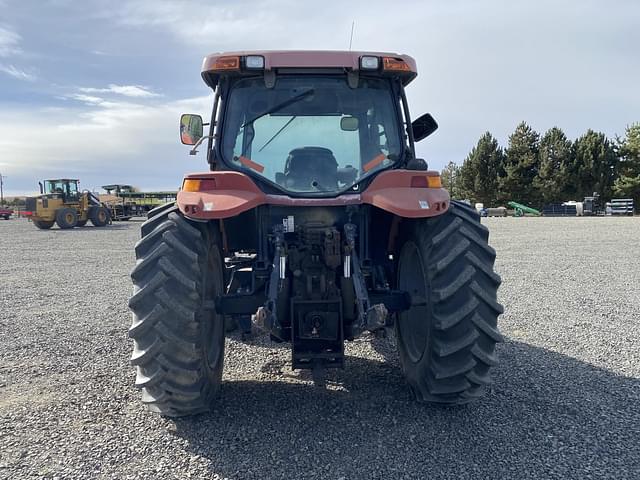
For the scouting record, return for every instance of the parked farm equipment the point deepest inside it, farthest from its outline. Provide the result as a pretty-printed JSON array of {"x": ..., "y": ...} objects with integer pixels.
[
  {"x": 61, "y": 202},
  {"x": 521, "y": 210},
  {"x": 621, "y": 206},
  {"x": 125, "y": 201}
]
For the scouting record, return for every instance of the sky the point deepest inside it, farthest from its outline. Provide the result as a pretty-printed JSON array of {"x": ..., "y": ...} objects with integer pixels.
[{"x": 94, "y": 89}]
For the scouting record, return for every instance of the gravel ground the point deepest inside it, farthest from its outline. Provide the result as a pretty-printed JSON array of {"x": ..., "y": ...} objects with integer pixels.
[{"x": 565, "y": 402}]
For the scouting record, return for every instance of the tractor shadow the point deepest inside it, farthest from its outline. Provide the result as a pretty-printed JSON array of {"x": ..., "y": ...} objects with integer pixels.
[
  {"x": 547, "y": 415},
  {"x": 90, "y": 229}
]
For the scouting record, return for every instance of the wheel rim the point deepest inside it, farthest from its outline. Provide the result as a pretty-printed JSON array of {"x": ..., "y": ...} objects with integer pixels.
[
  {"x": 102, "y": 216},
  {"x": 69, "y": 218},
  {"x": 413, "y": 324}
]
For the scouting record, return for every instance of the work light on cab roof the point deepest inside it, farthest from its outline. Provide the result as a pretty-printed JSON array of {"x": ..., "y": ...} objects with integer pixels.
[
  {"x": 270, "y": 60},
  {"x": 315, "y": 223}
]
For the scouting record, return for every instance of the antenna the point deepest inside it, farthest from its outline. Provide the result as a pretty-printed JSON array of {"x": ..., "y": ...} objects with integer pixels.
[{"x": 353, "y": 24}]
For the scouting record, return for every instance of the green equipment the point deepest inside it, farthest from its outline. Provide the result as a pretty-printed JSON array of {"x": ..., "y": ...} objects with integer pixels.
[{"x": 520, "y": 209}]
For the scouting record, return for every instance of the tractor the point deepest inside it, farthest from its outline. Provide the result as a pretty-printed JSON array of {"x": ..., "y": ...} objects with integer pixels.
[
  {"x": 61, "y": 202},
  {"x": 317, "y": 221}
]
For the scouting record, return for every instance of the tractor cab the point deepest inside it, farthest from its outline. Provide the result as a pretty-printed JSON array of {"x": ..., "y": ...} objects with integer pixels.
[
  {"x": 66, "y": 189},
  {"x": 320, "y": 131}
]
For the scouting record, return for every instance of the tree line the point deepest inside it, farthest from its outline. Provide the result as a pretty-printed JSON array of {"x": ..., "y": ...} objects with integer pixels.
[
  {"x": 539, "y": 169},
  {"x": 14, "y": 201}
]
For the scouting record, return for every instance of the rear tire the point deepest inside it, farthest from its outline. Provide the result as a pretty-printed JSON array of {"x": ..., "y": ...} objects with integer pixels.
[
  {"x": 66, "y": 218},
  {"x": 99, "y": 216},
  {"x": 43, "y": 224},
  {"x": 178, "y": 343},
  {"x": 446, "y": 340}
]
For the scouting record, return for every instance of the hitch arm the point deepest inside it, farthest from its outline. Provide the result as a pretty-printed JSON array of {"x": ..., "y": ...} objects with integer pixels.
[
  {"x": 275, "y": 279},
  {"x": 371, "y": 317}
]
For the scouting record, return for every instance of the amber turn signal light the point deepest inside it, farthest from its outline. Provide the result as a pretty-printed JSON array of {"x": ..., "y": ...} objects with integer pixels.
[
  {"x": 198, "y": 184},
  {"x": 434, "y": 182},
  {"x": 395, "y": 64},
  {"x": 424, "y": 181},
  {"x": 227, "y": 63}
]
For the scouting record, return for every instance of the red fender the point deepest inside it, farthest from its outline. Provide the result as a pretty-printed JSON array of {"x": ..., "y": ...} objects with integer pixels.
[
  {"x": 406, "y": 193},
  {"x": 227, "y": 194}
]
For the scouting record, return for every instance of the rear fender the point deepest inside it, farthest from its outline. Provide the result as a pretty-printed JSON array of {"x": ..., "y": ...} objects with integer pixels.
[
  {"x": 232, "y": 194},
  {"x": 393, "y": 192}
]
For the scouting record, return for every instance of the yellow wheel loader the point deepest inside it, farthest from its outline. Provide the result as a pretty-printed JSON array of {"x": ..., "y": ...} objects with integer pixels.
[{"x": 61, "y": 202}]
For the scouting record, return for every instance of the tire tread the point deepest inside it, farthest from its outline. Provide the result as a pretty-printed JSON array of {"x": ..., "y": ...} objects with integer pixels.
[
  {"x": 168, "y": 312},
  {"x": 459, "y": 265}
]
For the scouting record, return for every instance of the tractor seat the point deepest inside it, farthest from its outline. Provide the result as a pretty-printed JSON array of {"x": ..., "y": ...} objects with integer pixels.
[{"x": 309, "y": 169}]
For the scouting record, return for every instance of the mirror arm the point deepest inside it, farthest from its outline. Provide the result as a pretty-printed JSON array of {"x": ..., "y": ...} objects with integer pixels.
[
  {"x": 193, "y": 151},
  {"x": 407, "y": 117},
  {"x": 213, "y": 125}
]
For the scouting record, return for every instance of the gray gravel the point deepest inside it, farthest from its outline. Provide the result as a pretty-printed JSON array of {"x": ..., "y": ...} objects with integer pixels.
[{"x": 565, "y": 403}]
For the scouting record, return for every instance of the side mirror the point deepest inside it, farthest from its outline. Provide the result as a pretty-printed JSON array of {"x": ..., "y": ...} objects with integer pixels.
[
  {"x": 190, "y": 128},
  {"x": 423, "y": 127}
]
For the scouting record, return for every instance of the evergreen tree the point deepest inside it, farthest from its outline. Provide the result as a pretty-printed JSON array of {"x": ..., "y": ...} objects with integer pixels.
[
  {"x": 555, "y": 167},
  {"x": 595, "y": 162},
  {"x": 521, "y": 166},
  {"x": 479, "y": 172},
  {"x": 451, "y": 180},
  {"x": 627, "y": 185}
]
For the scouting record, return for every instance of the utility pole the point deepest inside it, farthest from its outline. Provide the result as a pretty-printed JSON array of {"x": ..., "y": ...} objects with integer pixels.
[{"x": 2, "y": 177}]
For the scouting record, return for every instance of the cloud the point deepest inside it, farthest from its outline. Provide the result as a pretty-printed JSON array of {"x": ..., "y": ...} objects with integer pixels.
[
  {"x": 16, "y": 72},
  {"x": 100, "y": 142},
  {"x": 88, "y": 99},
  {"x": 249, "y": 22},
  {"x": 134, "y": 91},
  {"x": 9, "y": 41}
]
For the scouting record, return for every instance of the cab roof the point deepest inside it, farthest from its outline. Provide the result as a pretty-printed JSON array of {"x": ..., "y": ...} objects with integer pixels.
[{"x": 307, "y": 59}]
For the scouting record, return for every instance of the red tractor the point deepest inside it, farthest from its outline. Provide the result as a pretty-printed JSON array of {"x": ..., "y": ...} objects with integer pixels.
[{"x": 317, "y": 221}]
